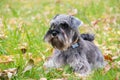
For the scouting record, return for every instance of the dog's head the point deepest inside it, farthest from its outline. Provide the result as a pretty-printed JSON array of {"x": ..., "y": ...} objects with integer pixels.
[{"x": 63, "y": 31}]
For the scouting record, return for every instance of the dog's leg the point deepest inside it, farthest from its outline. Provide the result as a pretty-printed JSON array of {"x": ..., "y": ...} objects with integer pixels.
[
  {"x": 79, "y": 64},
  {"x": 56, "y": 61}
]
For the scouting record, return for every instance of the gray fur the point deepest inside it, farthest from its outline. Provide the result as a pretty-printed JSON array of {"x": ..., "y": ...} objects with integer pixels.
[
  {"x": 64, "y": 33},
  {"x": 72, "y": 21}
]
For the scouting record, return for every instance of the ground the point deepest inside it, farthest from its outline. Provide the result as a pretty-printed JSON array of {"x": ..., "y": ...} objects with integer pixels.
[{"x": 23, "y": 24}]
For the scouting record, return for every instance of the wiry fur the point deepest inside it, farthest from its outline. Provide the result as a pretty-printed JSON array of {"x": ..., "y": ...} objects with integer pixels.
[{"x": 63, "y": 33}]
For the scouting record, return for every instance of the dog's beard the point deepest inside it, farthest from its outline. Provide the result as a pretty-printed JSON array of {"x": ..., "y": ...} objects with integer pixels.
[{"x": 61, "y": 41}]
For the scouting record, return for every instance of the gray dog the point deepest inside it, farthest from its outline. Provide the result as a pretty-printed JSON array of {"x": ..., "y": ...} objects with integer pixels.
[{"x": 70, "y": 47}]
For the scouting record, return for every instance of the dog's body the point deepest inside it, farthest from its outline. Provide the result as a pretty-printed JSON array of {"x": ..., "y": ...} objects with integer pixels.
[{"x": 70, "y": 47}]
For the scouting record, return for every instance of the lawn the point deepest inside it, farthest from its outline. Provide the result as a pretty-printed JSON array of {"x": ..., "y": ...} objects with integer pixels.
[{"x": 23, "y": 24}]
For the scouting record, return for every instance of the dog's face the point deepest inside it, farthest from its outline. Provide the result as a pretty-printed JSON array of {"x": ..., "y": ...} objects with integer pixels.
[{"x": 63, "y": 31}]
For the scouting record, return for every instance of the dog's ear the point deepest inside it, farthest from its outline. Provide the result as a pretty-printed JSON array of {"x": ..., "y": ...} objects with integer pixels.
[
  {"x": 55, "y": 16},
  {"x": 75, "y": 22},
  {"x": 53, "y": 19}
]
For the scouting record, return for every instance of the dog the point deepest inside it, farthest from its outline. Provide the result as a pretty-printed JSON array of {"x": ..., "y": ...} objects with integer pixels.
[{"x": 70, "y": 47}]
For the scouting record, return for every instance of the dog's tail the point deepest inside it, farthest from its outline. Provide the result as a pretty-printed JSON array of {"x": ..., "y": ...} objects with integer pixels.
[{"x": 87, "y": 36}]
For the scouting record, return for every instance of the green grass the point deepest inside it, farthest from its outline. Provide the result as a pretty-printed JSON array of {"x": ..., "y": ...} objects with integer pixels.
[{"x": 26, "y": 21}]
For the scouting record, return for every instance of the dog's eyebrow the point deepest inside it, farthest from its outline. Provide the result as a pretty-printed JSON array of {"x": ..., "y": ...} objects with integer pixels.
[{"x": 52, "y": 26}]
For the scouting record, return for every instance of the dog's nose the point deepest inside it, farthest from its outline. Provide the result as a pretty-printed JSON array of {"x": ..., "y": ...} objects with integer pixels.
[{"x": 54, "y": 33}]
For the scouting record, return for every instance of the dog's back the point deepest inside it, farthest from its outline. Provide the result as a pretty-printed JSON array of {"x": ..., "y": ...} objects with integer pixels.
[{"x": 93, "y": 53}]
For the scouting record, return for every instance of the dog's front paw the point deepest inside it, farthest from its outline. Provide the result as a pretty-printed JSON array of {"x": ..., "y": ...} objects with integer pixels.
[
  {"x": 82, "y": 69},
  {"x": 48, "y": 64}
]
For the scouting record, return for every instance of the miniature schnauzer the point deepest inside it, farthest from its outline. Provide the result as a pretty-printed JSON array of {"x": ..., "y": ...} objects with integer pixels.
[{"x": 71, "y": 47}]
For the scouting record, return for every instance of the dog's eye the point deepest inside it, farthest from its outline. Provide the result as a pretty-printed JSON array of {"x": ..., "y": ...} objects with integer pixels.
[{"x": 64, "y": 25}]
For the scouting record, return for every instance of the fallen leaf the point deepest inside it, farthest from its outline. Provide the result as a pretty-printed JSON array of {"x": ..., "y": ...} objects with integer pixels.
[
  {"x": 117, "y": 76},
  {"x": 82, "y": 76},
  {"x": 8, "y": 74},
  {"x": 28, "y": 66},
  {"x": 108, "y": 58},
  {"x": 65, "y": 75},
  {"x": 60, "y": 79},
  {"x": 73, "y": 12},
  {"x": 60, "y": 69},
  {"x": 37, "y": 60},
  {"x": 57, "y": 1},
  {"x": 96, "y": 22},
  {"x": 12, "y": 21},
  {"x": 106, "y": 69},
  {"x": 3, "y": 36},
  {"x": 107, "y": 27},
  {"x": 115, "y": 57},
  {"x": 114, "y": 65},
  {"x": 43, "y": 79},
  {"x": 6, "y": 59},
  {"x": 23, "y": 47}
]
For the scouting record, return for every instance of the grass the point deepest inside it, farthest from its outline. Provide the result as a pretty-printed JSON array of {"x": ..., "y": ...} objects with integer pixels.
[{"x": 23, "y": 23}]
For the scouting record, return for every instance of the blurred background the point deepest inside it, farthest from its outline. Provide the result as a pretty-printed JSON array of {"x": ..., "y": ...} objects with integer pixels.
[{"x": 23, "y": 24}]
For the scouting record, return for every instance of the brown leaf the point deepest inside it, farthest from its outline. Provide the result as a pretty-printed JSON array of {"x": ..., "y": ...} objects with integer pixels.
[
  {"x": 60, "y": 69},
  {"x": 23, "y": 50},
  {"x": 37, "y": 60},
  {"x": 65, "y": 75},
  {"x": 106, "y": 69},
  {"x": 117, "y": 76},
  {"x": 114, "y": 65},
  {"x": 7, "y": 74},
  {"x": 6, "y": 59},
  {"x": 12, "y": 21},
  {"x": 3, "y": 36},
  {"x": 108, "y": 58},
  {"x": 82, "y": 76},
  {"x": 28, "y": 66},
  {"x": 57, "y": 1},
  {"x": 23, "y": 47},
  {"x": 73, "y": 12},
  {"x": 43, "y": 79},
  {"x": 96, "y": 22}
]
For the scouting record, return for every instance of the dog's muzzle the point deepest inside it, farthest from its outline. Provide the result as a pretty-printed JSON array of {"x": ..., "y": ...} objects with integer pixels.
[{"x": 54, "y": 33}]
